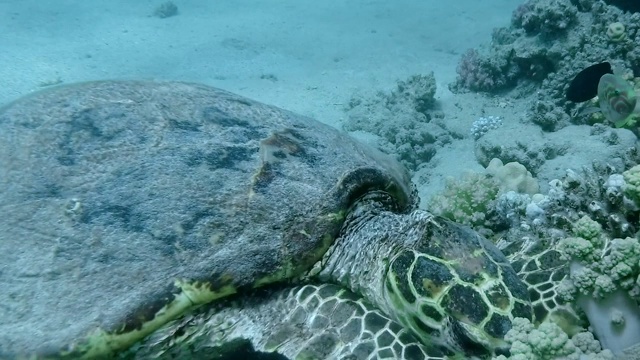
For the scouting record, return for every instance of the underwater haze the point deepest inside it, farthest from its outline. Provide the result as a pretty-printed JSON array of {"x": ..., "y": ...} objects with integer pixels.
[{"x": 409, "y": 179}]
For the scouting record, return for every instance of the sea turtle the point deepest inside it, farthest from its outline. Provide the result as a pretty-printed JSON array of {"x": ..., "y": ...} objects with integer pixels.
[{"x": 129, "y": 204}]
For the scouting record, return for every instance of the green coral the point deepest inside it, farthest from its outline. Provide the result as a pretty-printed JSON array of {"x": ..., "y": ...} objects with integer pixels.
[
  {"x": 587, "y": 228},
  {"x": 631, "y": 187},
  {"x": 604, "y": 282},
  {"x": 606, "y": 265},
  {"x": 549, "y": 342},
  {"x": 467, "y": 200}
]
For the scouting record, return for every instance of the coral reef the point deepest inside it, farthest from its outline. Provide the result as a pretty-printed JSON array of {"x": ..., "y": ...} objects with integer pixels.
[
  {"x": 483, "y": 124},
  {"x": 513, "y": 176},
  {"x": 574, "y": 241},
  {"x": 467, "y": 200},
  {"x": 405, "y": 119},
  {"x": 547, "y": 115},
  {"x": 548, "y": 42},
  {"x": 604, "y": 282},
  {"x": 532, "y": 152},
  {"x": 577, "y": 248},
  {"x": 485, "y": 73},
  {"x": 542, "y": 153},
  {"x": 545, "y": 17},
  {"x": 596, "y": 191},
  {"x": 471, "y": 200},
  {"x": 549, "y": 342}
]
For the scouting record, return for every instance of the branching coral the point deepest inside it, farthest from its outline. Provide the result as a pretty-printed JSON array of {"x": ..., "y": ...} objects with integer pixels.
[
  {"x": 548, "y": 17},
  {"x": 467, "y": 201},
  {"x": 404, "y": 120},
  {"x": 478, "y": 73},
  {"x": 549, "y": 342},
  {"x": 605, "y": 282},
  {"x": 631, "y": 185}
]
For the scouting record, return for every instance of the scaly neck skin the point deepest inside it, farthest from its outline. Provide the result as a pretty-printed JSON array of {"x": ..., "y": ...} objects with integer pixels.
[{"x": 360, "y": 257}]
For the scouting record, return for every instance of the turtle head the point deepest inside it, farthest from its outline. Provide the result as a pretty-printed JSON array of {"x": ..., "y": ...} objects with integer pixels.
[{"x": 455, "y": 289}]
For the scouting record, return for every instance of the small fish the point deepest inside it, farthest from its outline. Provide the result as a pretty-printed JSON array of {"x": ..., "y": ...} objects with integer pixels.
[
  {"x": 617, "y": 99},
  {"x": 584, "y": 86}
]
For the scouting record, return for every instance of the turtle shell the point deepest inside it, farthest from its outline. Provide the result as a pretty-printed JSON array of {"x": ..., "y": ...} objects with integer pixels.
[{"x": 125, "y": 204}]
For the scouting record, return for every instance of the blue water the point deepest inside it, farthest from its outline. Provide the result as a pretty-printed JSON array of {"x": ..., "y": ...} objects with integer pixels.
[{"x": 352, "y": 65}]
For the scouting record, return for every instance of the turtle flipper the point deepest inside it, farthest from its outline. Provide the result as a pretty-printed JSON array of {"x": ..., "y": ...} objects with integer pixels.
[
  {"x": 304, "y": 322},
  {"x": 540, "y": 266}
]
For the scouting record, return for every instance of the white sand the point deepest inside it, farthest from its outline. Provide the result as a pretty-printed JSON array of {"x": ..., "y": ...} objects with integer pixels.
[
  {"x": 320, "y": 51},
  {"x": 305, "y": 56}
]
